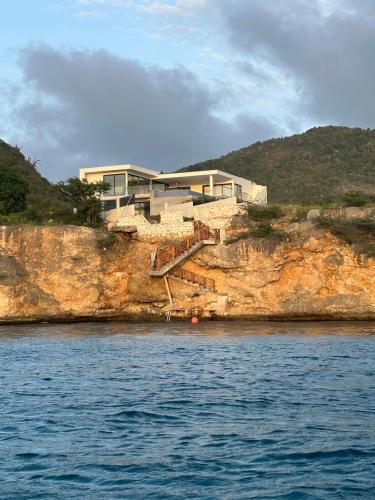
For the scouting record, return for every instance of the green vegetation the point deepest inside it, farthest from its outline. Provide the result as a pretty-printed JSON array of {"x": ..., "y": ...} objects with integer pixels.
[
  {"x": 261, "y": 231},
  {"x": 316, "y": 167},
  {"x": 107, "y": 241},
  {"x": 266, "y": 213},
  {"x": 357, "y": 232},
  {"x": 13, "y": 192},
  {"x": 357, "y": 199},
  {"x": 268, "y": 231},
  {"x": 203, "y": 200},
  {"x": 85, "y": 198},
  {"x": 43, "y": 204},
  {"x": 28, "y": 198}
]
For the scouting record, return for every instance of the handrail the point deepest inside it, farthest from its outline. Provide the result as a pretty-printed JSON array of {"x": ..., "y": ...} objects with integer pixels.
[
  {"x": 194, "y": 277},
  {"x": 168, "y": 254}
]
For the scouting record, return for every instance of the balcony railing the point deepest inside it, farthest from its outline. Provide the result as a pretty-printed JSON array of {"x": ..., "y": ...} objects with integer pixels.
[{"x": 145, "y": 188}]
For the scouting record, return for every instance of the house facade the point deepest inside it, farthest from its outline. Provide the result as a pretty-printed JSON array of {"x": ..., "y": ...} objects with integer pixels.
[{"x": 142, "y": 191}]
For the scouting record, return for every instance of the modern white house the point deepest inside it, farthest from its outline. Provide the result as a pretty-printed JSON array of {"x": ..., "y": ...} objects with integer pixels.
[{"x": 149, "y": 191}]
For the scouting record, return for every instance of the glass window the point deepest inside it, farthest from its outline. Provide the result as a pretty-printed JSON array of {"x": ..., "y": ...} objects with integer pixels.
[
  {"x": 109, "y": 205},
  {"x": 224, "y": 190},
  {"x": 117, "y": 183},
  {"x": 110, "y": 179},
  {"x": 238, "y": 192},
  {"x": 138, "y": 185},
  {"x": 159, "y": 186},
  {"x": 142, "y": 208},
  {"x": 127, "y": 200}
]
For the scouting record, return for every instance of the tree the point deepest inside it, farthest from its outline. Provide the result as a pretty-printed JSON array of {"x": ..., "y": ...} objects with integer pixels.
[
  {"x": 13, "y": 191},
  {"x": 354, "y": 199},
  {"x": 85, "y": 197}
]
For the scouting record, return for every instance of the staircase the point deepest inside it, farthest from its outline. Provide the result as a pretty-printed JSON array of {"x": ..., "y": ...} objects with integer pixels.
[
  {"x": 165, "y": 259},
  {"x": 165, "y": 262},
  {"x": 204, "y": 284}
]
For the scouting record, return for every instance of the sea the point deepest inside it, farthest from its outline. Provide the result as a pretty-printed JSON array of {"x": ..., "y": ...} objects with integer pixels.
[{"x": 217, "y": 410}]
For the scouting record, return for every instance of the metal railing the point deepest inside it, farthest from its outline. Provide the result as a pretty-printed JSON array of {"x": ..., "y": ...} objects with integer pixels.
[{"x": 168, "y": 254}]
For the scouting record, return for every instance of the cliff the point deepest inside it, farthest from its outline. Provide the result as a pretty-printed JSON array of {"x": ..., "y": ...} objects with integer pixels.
[{"x": 77, "y": 273}]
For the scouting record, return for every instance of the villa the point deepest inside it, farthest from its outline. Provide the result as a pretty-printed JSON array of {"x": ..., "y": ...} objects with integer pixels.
[{"x": 138, "y": 190}]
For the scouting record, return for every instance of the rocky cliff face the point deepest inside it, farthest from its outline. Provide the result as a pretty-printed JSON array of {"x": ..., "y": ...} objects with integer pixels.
[{"x": 70, "y": 273}]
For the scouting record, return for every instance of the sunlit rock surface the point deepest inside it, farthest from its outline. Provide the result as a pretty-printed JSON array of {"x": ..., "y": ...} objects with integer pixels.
[{"x": 76, "y": 273}]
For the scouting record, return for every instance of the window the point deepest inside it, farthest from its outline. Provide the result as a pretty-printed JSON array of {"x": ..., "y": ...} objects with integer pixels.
[
  {"x": 127, "y": 200},
  {"x": 238, "y": 192},
  {"x": 223, "y": 190},
  {"x": 159, "y": 186},
  {"x": 138, "y": 185},
  {"x": 142, "y": 208},
  {"x": 117, "y": 183},
  {"x": 108, "y": 205}
]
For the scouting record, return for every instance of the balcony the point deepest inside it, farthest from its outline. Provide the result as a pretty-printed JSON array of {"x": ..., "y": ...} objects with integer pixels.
[{"x": 145, "y": 189}]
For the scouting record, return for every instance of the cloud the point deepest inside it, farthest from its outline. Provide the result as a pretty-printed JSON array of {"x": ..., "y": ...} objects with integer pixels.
[
  {"x": 179, "y": 8},
  {"x": 324, "y": 49},
  {"x": 88, "y": 108},
  {"x": 176, "y": 8}
]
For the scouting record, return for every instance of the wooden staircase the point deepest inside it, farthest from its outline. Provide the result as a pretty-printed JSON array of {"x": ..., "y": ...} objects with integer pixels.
[
  {"x": 204, "y": 284},
  {"x": 165, "y": 262},
  {"x": 165, "y": 259}
]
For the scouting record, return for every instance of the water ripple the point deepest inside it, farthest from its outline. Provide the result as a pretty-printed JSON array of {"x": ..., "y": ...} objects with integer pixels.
[{"x": 219, "y": 410}]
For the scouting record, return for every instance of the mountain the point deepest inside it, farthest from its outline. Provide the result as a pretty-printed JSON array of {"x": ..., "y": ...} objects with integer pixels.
[
  {"x": 43, "y": 202},
  {"x": 310, "y": 168}
]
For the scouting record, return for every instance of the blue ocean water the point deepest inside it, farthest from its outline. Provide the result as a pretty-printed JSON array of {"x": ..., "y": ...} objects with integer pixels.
[{"x": 173, "y": 411}]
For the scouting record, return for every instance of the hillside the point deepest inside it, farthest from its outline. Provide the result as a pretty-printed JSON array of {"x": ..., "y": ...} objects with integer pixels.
[
  {"x": 43, "y": 201},
  {"x": 309, "y": 168}
]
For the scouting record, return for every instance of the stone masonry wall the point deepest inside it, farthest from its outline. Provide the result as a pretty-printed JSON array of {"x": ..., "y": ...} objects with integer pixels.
[
  {"x": 217, "y": 214},
  {"x": 171, "y": 226}
]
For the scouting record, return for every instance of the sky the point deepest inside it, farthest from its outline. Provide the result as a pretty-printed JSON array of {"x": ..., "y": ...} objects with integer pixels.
[{"x": 168, "y": 83}]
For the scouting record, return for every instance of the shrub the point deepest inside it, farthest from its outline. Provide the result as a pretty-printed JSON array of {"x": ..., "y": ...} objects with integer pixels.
[
  {"x": 107, "y": 241},
  {"x": 267, "y": 231},
  {"x": 203, "y": 200},
  {"x": 263, "y": 231},
  {"x": 359, "y": 232},
  {"x": 259, "y": 213},
  {"x": 368, "y": 249},
  {"x": 355, "y": 199},
  {"x": 13, "y": 191},
  {"x": 300, "y": 214}
]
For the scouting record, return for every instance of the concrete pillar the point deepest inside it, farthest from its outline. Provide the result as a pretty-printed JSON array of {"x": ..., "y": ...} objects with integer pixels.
[
  {"x": 211, "y": 185},
  {"x": 126, "y": 184},
  {"x": 233, "y": 190}
]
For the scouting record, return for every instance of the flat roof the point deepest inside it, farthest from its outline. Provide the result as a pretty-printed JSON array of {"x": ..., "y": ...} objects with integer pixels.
[
  {"x": 130, "y": 167},
  {"x": 197, "y": 176},
  {"x": 192, "y": 177}
]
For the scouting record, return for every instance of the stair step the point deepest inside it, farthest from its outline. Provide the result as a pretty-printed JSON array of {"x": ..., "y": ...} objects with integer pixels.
[{"x": 192, "y": 283}]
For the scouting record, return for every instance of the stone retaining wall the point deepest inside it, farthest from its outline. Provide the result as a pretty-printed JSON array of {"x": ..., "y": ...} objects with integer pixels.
[
  {"x": 219, "y": 209},
  {"x": 341, "y": 213},
  {"x": 171, "y": 226},
  {"x": 216, "y": 215}
]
